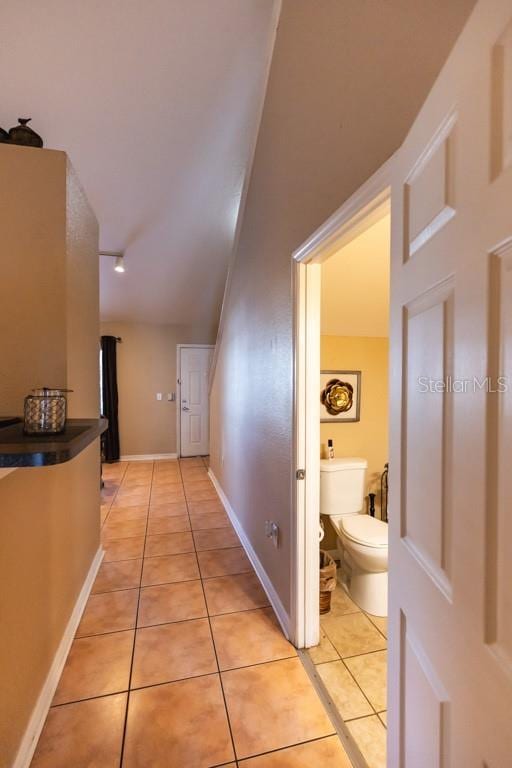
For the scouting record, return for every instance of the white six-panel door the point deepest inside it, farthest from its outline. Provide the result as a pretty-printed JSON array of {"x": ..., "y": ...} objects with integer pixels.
[
  {"x": 194, "y": 369},
  {"x": 451, "y": 444}
]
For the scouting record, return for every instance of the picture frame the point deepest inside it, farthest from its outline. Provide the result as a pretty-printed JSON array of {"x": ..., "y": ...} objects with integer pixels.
[{"x": 340, "y": 396}]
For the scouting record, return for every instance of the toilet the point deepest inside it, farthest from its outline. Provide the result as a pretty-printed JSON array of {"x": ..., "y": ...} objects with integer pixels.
[{"x": 362, "y": 540}]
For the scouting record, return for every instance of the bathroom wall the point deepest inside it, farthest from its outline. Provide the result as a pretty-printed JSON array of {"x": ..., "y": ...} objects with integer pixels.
[
  {"x": 368, "y": 437},
  {"x": 49, "y": 325},
  {"x": 347, "y": 79},
  {"x": 146, "y": 364}
]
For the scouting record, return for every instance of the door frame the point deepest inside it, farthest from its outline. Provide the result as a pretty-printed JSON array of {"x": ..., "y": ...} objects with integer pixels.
[
  {"x": 366, "y": 206},
  {"x": 179, "y": 347}
]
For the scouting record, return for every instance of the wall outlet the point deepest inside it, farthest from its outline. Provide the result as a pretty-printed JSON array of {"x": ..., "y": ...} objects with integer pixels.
[
  {"x": 158, "y": 395},
  {"x": 272, "y": 532}
]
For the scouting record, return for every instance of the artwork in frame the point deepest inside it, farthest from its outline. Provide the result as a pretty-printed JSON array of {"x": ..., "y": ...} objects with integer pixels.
[{"x": 340, "y": 395}]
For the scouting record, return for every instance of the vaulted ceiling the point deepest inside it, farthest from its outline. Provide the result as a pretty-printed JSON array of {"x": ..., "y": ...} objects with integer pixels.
[{"x": 157, "y": 103}]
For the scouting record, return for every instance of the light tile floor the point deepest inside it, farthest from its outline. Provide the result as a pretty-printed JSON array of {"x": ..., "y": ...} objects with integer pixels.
[
  {"x": 178, "y": 659},
  {"x": 351, "y": 662}
]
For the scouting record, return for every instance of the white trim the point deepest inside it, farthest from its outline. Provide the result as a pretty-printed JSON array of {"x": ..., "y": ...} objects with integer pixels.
[
  {"x": 148, "y": 456},
  {"x": 43, "y": 703},
  {"x": 179, "y": 347},
  {"x": 366, "y": 206},
  {"x": 266, "y": 583}
]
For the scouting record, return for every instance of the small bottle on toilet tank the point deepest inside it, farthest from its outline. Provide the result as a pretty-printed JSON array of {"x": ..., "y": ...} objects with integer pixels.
[{"x": 330, "y": 449}]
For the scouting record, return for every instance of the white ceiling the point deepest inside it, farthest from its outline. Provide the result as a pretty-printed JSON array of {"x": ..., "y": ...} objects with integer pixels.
[
  {"x": 157, "y": 102},
  {"x": 355, "y": 285}
]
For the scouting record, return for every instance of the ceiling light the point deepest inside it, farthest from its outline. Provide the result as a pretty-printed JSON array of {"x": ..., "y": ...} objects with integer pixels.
[{"x": 118, "y": 256}]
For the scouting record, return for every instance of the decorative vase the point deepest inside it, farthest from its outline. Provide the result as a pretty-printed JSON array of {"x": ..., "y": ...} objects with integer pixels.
[{"x": 24, "y": 135}]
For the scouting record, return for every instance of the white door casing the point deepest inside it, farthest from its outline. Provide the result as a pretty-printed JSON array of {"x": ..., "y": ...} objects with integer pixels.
[
  {"x": 450, "y": 612},
  {"x": 193, "y": 385}
]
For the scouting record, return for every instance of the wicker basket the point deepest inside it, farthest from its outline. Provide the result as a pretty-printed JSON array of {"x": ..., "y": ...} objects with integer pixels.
[{"x": 327, "y": 580}]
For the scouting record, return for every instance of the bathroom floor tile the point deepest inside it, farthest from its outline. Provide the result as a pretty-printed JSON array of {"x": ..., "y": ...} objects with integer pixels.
[
  {"x": 370, "y": 673},
  {"x": 169, "y": 544},
  {"x": 341, "y": 604},
  {"x": 87, "y": 734},
  {"x": 261, "y": 700},
  {"x": 223, "y": 562},
  {"x": 171, "y": 602},
  {"x": 344, "y": 692},
  {"x": 181, "y": 724},
  {"x": 209, "y": 520},
  {"x": 381, "y": 622},
  {"x": 109, "y": 612},
  {"x": 228, "y": 594},
  {"x": 123, "y": 549},
  {"x": 170, "y": 652},
  {"x": 249, "y": 637},
  {"x": 353, "y": 634},
  {"x": 169, "y": 568},
  {"x": 322, "y": 753},
  {"x": 96, "y": 666},
  {"x": 324, "y": 651},
  {"x": 370, "y": 736},
  {"x": 168, "y": 524},
  {"x": 122, "y": 574},
  {"x": 216, "y": 538}
]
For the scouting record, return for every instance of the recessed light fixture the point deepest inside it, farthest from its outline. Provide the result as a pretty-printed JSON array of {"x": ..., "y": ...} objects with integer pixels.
[{"x": 118, "y": 256}]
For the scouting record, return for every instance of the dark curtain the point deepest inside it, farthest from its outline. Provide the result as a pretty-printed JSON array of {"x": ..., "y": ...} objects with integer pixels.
[{"x": 110, "y": 399}]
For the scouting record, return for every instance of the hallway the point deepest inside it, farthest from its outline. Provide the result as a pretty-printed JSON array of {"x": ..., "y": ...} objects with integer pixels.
[{"x": 178, "y": 659}]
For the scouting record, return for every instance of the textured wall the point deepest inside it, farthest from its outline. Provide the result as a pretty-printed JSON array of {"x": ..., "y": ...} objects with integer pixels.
[
  {"x": 346, "y": 81},
  {"x": 49, "y": 521},
  {"x": 146, "y": 364}
]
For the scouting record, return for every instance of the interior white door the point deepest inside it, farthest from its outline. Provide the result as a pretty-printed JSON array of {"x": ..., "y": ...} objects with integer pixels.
[
  {"x": 194, "y": 402},
  {"x": 450, "y": 691}
]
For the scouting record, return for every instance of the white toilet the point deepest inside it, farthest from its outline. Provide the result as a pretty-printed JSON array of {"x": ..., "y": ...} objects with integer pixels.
[{"x": 362, "y": 540}]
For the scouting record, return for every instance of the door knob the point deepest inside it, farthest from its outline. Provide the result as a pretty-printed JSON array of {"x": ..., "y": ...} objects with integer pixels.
[{"x": 184, "y": 408}]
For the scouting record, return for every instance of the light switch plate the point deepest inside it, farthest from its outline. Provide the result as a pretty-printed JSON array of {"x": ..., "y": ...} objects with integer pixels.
[{"x": 158, "y": 395}]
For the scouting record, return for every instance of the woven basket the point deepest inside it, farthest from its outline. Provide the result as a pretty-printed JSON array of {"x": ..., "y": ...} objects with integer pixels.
[{"x": 327, "y": 580}]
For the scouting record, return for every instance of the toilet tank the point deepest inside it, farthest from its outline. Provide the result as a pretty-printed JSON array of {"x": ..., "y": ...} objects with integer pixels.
[{"x": 342, "y": 485}]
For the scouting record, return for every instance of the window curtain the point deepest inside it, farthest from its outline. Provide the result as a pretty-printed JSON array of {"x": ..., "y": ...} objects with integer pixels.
[{"x": 110, "y": 398}]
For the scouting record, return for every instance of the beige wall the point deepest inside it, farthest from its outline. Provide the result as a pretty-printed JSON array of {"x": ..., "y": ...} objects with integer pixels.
[
  {"x": 369, "y": 436},
  {"x": 346, "y": 81},
  {"x": 49, "y": 521},
  {"x": 146, "y": 364}
]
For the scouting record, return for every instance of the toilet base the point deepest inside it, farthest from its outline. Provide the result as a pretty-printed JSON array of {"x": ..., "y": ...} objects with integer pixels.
[{"x": 368, "y": 590}]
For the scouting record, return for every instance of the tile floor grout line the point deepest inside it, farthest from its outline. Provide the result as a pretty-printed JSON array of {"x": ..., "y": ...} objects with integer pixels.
[
  {"x": 288, "y": 746},
  {"x": 216, "y": 657},
  {"x": 125, "y": 725}
]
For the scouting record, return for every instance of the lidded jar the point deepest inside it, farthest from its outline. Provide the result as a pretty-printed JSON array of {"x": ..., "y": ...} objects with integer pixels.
[{"x": 45, "y": 411}]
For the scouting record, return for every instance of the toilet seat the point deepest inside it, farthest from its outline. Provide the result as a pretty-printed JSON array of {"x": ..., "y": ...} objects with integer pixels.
[{"x": 365, "y": 530}]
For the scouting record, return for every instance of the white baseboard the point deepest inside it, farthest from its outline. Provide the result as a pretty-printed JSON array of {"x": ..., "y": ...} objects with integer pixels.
[
  {"x": 149, "y": 456},
  {"x": 40, "y": 711},
  {"x": 267, "y": 585}
]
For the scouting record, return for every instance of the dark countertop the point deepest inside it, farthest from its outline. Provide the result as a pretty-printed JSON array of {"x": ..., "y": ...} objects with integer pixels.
[{"x": 20, "y": 450}]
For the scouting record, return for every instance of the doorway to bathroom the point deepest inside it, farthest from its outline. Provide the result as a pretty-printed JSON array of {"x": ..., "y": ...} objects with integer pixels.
[{"x": 342, "y": 404}]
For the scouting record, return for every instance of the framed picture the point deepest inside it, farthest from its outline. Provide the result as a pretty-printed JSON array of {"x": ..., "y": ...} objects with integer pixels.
[{"x": 340, "y": 395}]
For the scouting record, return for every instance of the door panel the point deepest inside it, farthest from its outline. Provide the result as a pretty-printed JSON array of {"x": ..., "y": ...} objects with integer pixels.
[
  {"x": 194, "y": 405},
  {"x": 450, "y": 635}
]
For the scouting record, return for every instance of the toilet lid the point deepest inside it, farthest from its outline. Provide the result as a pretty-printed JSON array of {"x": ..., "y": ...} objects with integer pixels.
[{"x": 365, "y": 529}]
